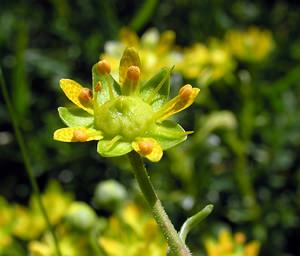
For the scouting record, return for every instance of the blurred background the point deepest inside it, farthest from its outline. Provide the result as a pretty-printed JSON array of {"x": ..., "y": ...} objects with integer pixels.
[{"x": 243, "y": 156}]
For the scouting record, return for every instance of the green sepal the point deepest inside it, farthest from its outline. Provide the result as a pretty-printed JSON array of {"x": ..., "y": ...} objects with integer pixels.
[
  {"x": 130, "y": 58},
  {"x": 168, "y": 134},
  {"x": 107, "y": 82},
  {"x": 75, "y": 117},
  {"x": 156, "y": 90},
  {"x": 119, "y": 148}
]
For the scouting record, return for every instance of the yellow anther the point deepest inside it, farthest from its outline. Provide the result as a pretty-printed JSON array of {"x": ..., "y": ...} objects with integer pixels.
[
  {"x": 80, "y": 136},
  {"x": 146, "y": 147},
  {"x": 185, "y": 92},
  {"x": 85, "y": 94},
  {"x": 98, "y": 87},
  {"x": 103, "y": 67},
  {"x": 133, "y": 73}
]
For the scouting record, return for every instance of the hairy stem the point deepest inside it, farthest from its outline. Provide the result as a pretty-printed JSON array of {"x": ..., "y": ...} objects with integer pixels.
[
  {"x": 177, "y": 246},
  {"x": 28, "y": 168}
]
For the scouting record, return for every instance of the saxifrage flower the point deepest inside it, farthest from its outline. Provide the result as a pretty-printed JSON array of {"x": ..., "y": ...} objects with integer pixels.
[{"x": 125, "y": 116}]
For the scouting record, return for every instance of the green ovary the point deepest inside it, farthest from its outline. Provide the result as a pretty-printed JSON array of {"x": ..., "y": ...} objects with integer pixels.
[{"x": 126, "y": 116}]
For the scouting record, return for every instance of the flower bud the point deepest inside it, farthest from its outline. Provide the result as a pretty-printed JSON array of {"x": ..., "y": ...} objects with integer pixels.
[
  {"x": 133, "y": 73},
  {"x": 146, "y": 147},
  {"x": 81, "y": 216},
  {"x": 185, "y": 92},
  {"x": 103, "y": 67},
  {"x": 85, "y": 95},
  {"x": 80, "y": 136}
]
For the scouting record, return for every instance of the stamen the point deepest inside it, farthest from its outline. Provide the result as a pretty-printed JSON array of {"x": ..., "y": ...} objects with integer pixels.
[
  {"x": 110, "y": 88},
  {"x": 85, "y": 95},
  {"x": 103, "y": 67},
  {"x": 98, "y": 87},
  {"x": 185, "y": 92},
  {"x": 133, "y": 73},
  {"x": 79, "y": 136},
  {"x": 146, "y": 147}
]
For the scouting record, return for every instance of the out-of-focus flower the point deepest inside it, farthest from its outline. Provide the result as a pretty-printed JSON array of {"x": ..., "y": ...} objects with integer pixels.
[
  {"x": 126, "y": 116},
  {"x": 156, "y": 51},
  {"x": 206, "y": 64},
  {"x": 29, "y": 222},
  {"x": 132, "y": 232},
  {"x": 252, "y": 45},
  {"x": 231, "y": 245}
]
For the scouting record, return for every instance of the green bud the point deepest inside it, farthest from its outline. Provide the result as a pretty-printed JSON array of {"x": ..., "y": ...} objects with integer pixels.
[
  {"x": 81, "y": 216},
  {"x": 109, "y": 194}
]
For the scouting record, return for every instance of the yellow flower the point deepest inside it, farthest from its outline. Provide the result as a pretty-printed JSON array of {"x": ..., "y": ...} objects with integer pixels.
[
  {"x": 252, "y": 45},
  {"x": 125, "y": 116},
  {"x": 132, "y": 232},
  {"x": 231, "y": 245},
  {"x": 156, "y": 50}
]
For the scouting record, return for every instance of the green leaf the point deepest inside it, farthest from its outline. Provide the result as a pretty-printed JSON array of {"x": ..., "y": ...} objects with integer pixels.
[
  {"x": 119, "y": 148},
  {"x": 168, "y": 134},
  {"x": 75, "y": 117},
  {"x": 130, "y": 58},
  {"x": 108, "y": 85},
  {"x": 156, "y": 90}
]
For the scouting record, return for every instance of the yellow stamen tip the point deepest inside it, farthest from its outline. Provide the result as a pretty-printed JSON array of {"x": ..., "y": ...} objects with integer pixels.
[
  {"x": 79, "y": 136},
  {"x": 185, "y": 92},
  {"x": 85, "y": 94},
  {"x": 103, "y": 67},
  {"x": 133, "y": 73},
  {"x": 146, "y": 147},
  {"x": 98, "y": 87}
]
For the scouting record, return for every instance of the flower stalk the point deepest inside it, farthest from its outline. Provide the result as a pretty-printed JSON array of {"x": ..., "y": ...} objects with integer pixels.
[{"x": 177, "y": 246}]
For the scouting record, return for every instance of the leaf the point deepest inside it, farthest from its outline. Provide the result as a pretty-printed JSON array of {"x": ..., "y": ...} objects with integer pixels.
[
  {"x": 156, "y": 90},
  {"x": 75, "y": 117},
  {"x": 72, "y": 90},
  {"x": 108, "y": 86},
  {"x": 130, "y": 58},
  {"x": 106, "y": 149},
  {"x": 168, "y": 134}
]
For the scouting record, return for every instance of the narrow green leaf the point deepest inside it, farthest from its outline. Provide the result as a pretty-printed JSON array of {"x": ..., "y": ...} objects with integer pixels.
[
  {"x": 130, "y": 58},
  {"x": 107, "y": 83},
  {"x": 156, "y": 90},
  {"x": 106, "y": 149},
  {"x": 168, "y": 134},
  {"x": 75, "y": 117}
]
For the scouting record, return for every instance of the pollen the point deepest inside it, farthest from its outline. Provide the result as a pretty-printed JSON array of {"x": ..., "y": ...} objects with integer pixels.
[
  {"x": 98, "y": 87},
  {"x": 85, "y": 94},
  {"x": 80, "y": 136},
  {"x": 103, "y": 67},
  {"x": 133, "y": 73},
  {"x": 146, "y": 147},
  {"x": 185, "y": 92}
]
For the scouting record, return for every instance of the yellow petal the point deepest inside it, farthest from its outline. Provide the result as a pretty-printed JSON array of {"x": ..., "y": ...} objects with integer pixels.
[
  {"x": 72, "y": 90},
  {"x": 77, "y": 134},
  {"x": 149, "y": 148},
  {"x": 176, "y": 105}
]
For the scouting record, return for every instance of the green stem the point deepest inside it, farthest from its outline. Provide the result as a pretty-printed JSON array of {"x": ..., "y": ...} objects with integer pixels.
[
  {"x": 28, "y": 168},
  {"x": 177, "y": 246}
]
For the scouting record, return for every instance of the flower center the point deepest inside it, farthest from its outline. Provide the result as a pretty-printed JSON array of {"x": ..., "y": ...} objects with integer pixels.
[{"x": 126, "y": 116}]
